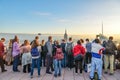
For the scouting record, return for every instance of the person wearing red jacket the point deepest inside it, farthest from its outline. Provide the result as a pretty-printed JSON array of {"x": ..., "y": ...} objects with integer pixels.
[
  {"x": 2, "y": 55},
  {"x": 78, "y": 52}
]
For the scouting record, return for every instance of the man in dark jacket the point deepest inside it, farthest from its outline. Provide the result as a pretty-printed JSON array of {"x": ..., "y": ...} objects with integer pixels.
[{"x": 109, "y": 55}]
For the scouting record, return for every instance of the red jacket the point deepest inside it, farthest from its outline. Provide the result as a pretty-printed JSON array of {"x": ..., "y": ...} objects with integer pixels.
[
  {"x": 78, "y": 49},
  {"x": 1, "y": 49}
]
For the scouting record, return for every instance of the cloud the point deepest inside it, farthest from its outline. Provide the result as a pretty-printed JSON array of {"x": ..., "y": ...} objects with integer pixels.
[{"x": 42, "y": 13}]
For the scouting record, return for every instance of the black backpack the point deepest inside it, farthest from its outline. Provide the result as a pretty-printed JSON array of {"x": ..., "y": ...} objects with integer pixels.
[
  {"x": 69, "y": 48},
  {"x": 109, "y": 48}
]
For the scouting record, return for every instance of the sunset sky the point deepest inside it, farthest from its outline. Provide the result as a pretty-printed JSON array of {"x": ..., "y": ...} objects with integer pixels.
[{"x": 54, "y": 16}]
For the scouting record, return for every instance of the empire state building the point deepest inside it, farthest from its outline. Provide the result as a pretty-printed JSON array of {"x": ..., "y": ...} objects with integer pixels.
[{"x": 65, "y": 35}]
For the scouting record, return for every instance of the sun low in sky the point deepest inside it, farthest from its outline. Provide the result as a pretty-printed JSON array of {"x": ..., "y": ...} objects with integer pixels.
[{"x": 54, "y": 16}]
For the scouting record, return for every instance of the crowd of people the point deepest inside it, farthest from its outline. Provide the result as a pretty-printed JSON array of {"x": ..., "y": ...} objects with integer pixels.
[{"x": 55, "y": 55}]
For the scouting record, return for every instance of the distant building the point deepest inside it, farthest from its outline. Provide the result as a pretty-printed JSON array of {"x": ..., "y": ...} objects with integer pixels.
[
  {"x": 65, "y": 35},
  {"x": 102, "y": 37}
]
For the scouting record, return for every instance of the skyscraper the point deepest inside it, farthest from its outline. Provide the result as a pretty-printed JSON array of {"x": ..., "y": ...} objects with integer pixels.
[{"x": 65, "y": 35}]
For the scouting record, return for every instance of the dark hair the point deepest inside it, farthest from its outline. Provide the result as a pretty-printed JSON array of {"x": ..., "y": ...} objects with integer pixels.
[
  {"x": 43, "y": 41},
  {"x": 87, "y": 39},
  {"x": 16, "y": 38},
  {"x": 97, "y": 41},
  {"x": 110, "y": 38},
  {"x": 50, "y": 37},
  {"x": 36, "y": 37},
  {"x": 70, "y": 38},
  {"x": 63, "y": 40},
  {"x": 3, "y": 39},
  {"x": 78, "y": 42},
  {"x": 82, "y": 41}
]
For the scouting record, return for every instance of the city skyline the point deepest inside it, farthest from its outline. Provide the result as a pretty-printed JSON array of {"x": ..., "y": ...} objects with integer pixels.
[{"x": 54, "y": 16}]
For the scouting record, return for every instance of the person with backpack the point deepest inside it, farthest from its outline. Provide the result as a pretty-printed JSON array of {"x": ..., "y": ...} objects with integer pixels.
[
  {"x": 35, "y": 52},
  {"x": 58, "y": 56},
  {"x": 68, "y": 48},
  {"x": 109, "y": 55},
  {"x": 78, "y": 52},
  {"x": 96, "y": 64}
]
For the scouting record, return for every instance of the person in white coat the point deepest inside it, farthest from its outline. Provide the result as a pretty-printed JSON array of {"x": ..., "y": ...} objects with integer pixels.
[{"x": 97, "y": 62}]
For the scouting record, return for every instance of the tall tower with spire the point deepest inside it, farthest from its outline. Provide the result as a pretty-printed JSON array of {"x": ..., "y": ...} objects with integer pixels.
[
  {"x": 65, "y": 35},
  {"x": 102, "y": 27}
]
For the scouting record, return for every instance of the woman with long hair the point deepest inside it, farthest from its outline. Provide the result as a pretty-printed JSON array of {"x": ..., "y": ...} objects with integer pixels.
[
  {"x": 35, "y": 52},
  {"x": 26, "y": 56}
]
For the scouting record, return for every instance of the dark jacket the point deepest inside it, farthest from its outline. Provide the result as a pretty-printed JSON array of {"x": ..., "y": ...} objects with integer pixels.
[
  {"x": 63, "y": 47},
  {"x": 110, "y": 47}
]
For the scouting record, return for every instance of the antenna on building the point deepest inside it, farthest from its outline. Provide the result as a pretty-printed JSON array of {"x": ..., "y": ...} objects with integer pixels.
[{"x": 102, "y": 27}]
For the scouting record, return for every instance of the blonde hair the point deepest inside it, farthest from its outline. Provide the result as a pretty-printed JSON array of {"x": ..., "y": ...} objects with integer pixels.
[
  {"x": 10, "y": 42},
  {"x": 26, "y": 42}
]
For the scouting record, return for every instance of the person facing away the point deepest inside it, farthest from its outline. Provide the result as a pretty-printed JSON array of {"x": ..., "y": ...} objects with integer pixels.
[
  {"x": 49, "y": 50},
  {"x": 68, "y": 48},
  {"x": 78, "y": 52},
  {"x": 88, "y": 52},
  {"x": 35, "y": 52},
  {"x": 43, "y": 54},
  {"x": 64, "y": 61},
  {"x": 58, "y": 56},
  {"x": 16, "y": 54},
  {"x": 36, "y": 38},
  {"x": 26, "y": 56},
  {"x": 82, "y": 43},
  {"x": 2, "y": 55},
  {"x": 9, "y": 53},
  {"x": 109, "y": 55},
  {"x": 96, "y": 64}
]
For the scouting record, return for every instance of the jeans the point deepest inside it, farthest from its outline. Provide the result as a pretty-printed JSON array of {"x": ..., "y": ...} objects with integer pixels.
[
  {"x": 96, "y": 64},
  {"x": 57, "y": 67},
  {"x": 35, "y": 61},
  {"x": 109, "y": 59},
  {"x": 64, "y": 60},
  {"x": 15, "y": 63}
]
